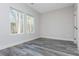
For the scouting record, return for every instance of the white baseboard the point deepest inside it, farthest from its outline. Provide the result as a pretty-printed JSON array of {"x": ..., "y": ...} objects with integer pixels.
[
  {"x": 14, "y": 44},
  {"x": 57, "y": 38}
]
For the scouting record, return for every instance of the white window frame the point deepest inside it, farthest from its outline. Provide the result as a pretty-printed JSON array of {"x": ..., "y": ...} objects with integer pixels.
[
  {"x": 27, "y": 31},
  {"x": 18, "y": 24},
  {"x": 24, "y": 23}
]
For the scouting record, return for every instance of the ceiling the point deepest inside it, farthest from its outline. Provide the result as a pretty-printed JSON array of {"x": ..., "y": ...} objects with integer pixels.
[{"x": 45, "y": 7}]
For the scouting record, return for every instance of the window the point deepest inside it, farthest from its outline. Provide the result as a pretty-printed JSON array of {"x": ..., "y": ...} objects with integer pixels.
[
  {"x": 16, "y": 21},
  {"x": 19, "y": 22},
  {"x": 30, "y": 24}
]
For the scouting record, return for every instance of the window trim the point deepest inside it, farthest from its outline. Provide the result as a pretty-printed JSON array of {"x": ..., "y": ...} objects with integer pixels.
[
  {"x": 24, "y": 24},
  {"x": 33, "y": 25},
  {"x": 19, "y": 22}
]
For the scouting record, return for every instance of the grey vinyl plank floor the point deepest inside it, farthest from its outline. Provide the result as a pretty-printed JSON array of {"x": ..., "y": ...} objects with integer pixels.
[{"x": 42, "y": 47}]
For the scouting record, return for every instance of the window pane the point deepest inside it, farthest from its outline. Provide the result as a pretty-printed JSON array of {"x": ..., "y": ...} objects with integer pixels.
[
  {"x": 16, "y": 21},
  {"x": 13, "y": 15},
  {"x": 30, "y": 24}
]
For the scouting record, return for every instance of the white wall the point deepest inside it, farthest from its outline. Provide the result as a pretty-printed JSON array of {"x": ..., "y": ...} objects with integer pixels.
[
  {"x": 58, "y": 24},
  {"x": 7, "y": 40},
  {"x": 55, "y": 24}
]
